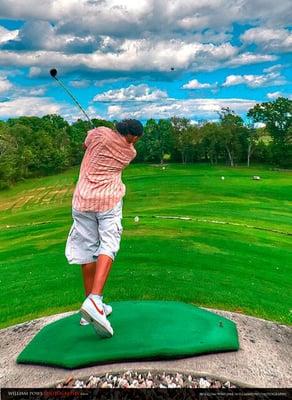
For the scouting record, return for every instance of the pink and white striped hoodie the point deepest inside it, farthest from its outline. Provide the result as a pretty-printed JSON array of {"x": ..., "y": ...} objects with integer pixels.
[{"x": 100, "y": 186}]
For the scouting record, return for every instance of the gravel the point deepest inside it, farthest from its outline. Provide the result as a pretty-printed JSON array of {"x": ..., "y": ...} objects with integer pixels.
[{"x": 134, "y": 379}]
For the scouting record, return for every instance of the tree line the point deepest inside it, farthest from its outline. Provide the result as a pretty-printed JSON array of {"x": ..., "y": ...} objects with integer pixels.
[{"x": 34, "y": 146}]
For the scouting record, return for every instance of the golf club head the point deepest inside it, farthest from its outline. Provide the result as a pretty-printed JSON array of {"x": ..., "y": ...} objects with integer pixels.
[{"x": 53, "y": 72}]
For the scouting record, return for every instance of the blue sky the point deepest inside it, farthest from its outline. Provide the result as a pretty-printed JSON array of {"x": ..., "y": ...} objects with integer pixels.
[{"x": 143, "y": 59}]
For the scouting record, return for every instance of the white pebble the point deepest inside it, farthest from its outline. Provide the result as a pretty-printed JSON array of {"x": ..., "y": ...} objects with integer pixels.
[
  {"x": 203, "y": 383},
  {"x": 78, "y": 384},
  {"x": 123, "y": 383},
  {"x": 222, "y": 177}
]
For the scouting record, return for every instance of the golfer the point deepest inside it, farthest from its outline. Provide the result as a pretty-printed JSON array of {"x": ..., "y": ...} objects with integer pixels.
[{"x": 94, "y": 238}]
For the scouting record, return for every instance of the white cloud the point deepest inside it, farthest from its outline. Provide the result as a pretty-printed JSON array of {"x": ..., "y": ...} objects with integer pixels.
[
  {"x": 39, "y": 106},
  {"x": 137, "y": 56},
  {"x": 102, "y": 82},
  {"x": 5, "y": 85},
  {"x": 254, "y": 81},
  {"x": 132, "y": 93},
  {"x": 273, "y": 68},
  {"x": 123, "y": 17},
  {"x": 42, "y": 35},
  {"x": 141, "y": 37},
  {"x": 195, "y": 84},
  {"x": 190, "y": 108},
  {"x": 275, "y": 95},
  {"x": 6, "y": 35},
  {"x": 28, "y": 106},
  {"x": 35, "y": 91},
  {"x": 269, "y": 39},
  {"x": 83, "y": 83},
  {"x": 250, "y": 58}
]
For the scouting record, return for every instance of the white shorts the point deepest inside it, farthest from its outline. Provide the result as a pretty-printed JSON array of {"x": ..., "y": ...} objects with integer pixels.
[{"x": 94, "y": 233}]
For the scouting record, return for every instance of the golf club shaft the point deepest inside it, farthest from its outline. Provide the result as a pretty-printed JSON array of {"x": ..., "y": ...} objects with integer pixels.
[{"x": 72, "y": 97}]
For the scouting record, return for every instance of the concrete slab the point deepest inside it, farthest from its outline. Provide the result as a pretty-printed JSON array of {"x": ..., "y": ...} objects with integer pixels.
[{"x": 264, "y": 359}]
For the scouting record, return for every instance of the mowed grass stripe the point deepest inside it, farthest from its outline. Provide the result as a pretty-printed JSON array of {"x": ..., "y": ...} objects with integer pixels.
[{"x": 232, "y": 267}]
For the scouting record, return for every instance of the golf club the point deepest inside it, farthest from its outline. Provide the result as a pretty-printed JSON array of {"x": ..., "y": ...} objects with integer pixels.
[{"x": 53, "y": 73}]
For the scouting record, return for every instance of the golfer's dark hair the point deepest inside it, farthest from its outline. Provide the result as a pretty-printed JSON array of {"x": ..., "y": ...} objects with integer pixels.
[{"x": 130, "y": 127}]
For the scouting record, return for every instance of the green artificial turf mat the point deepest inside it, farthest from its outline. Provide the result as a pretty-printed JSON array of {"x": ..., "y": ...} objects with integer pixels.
[{"x": 142, "y": 330}]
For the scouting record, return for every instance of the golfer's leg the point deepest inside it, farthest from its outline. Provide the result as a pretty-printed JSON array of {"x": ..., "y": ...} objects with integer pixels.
[
  {"x": 103, "y": 266},
  {"x": 88, "y": 272},
  {"x": 109, "y": 230}
]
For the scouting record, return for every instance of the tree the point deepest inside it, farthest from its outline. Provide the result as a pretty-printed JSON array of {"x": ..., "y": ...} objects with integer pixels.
[
  {"x": 164, "y": 138},
  {"x": 231, "y": 133},
  {"x": 210, "y": 133},
  {"x": 182, "y": 134},
  {"x": 156, "y": 141},
  {"x": 277, "y": 115},
  {"x": 8, "y": 157}
]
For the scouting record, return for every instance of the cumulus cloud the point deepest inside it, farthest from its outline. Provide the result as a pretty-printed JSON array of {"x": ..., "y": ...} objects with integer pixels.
[
  {"x": 273, "y": 68},
  {"x": 6, "y": 35},
  {"x": 137, "y": 56},
  {"x": 250, "y": 58},
  {"x": 269, "y": 39},
  {"x": 275, "y": 95},
  {"x": 28, "y": 106},
  {"x": 127, "y": 17},
  {"x": 126, "y": 35},
  {"x": 5, "y": 84},
  {"x": 195, "y": 84},
  {"x": 255, "y": 81},
  {"x": 190, "y": 108},
  {"x": 42, "y": 35},
  {"x": 132, "y": 93}
]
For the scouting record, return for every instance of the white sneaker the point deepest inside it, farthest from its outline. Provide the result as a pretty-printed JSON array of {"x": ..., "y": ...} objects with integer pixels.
[
  {"x": 107, "y": 309},
  {"x": 93, "y": 312}
]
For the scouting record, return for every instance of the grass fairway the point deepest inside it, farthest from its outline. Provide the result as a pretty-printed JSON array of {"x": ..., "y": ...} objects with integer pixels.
[{"x": 232, "y": 250}]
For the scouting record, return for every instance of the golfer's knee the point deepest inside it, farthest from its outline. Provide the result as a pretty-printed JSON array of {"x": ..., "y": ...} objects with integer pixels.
[{"x": 107, "y": 252}]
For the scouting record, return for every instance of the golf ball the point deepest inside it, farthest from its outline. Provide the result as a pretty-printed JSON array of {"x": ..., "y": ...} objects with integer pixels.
[
  {"x": 136, "y": 219},
  {"x": 222, "y": 177},
  {"x": 163, "y": 167}
]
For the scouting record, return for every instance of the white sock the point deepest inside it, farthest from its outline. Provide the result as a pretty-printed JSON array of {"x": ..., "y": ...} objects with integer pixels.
[{"x": 95, "y": 297}]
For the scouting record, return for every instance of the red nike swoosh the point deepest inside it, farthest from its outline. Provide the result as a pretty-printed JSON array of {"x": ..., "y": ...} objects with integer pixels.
[{"x": 100, "y": 311}]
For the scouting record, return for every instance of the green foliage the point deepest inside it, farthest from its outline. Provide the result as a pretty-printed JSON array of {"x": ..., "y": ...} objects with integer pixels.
[
  {"x": 156, "y": 141},
  {"x": 277, "y": 115},
  {"x": 34, "y": 146}
]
